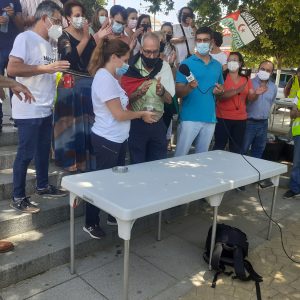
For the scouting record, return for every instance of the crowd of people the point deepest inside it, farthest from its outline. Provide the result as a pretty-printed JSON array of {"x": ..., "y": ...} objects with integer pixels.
[{"x": 111, "y": 83}]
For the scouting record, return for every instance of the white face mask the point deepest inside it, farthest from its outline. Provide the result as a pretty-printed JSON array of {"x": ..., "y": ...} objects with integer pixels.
[
  {"x": 102, "y": 19},
  {"x": 55, "y": 31},
  {"x": 263, "y": 75},
  {"x": 78, "y": 22},
  {"x": 132, "y": 24},
  {"x": 233, "y": 66}
]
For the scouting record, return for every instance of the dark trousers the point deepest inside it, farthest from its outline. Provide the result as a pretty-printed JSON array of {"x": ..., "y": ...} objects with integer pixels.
[
  {"x": 231, "y": 131},
  {"x": 147, "y": 142},
  {"x": 108, "y": 154},
  {"x": 34, "y": 142}
]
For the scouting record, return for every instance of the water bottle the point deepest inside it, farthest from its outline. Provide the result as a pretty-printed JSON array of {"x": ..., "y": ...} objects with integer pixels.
[{"x": 4, "y": 27}]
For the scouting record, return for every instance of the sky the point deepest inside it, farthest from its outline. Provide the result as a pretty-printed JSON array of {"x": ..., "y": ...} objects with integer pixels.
[{"x": 172, "y": 17}]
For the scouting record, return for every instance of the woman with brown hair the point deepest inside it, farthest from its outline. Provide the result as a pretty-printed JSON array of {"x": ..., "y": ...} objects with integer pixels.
[{"x": 112, "y": 119}]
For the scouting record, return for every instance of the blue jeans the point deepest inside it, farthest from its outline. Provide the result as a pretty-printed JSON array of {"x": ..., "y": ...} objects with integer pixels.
[
  {"x": 34, "y": 142},
  {"x": 255, "y": 137},
  {"x": 108, "y": 154},
  {"x": 295, "y": 174},
  {"x": 188, "y": 131}
]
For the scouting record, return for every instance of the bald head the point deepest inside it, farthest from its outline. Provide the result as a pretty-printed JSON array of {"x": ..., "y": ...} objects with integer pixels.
[{"x": 150, "y": 38}]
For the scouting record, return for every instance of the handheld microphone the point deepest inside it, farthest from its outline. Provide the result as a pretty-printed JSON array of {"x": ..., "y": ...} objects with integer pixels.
[{"x": 185, "y": 70}]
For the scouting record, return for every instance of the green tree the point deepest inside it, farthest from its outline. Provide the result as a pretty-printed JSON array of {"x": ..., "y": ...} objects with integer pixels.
[
  {"x": 160, "y": 5},
  {"x": 279, "y": 20},
  {"x": 91, "y": 6}
]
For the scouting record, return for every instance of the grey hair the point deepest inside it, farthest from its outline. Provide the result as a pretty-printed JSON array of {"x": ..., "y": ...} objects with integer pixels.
[
  {"x": 149, "y": 35},
  {"x": 46, "y": 8}
]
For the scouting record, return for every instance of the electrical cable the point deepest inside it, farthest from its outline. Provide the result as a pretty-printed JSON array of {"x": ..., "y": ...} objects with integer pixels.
[{"x": 258, "y": 192}]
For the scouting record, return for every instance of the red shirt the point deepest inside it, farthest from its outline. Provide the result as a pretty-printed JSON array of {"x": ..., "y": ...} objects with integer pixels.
[{"x": 234, "y": 108}]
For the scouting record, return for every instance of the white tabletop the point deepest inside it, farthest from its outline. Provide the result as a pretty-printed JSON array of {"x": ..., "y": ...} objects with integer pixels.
[
  {"x": 155, "y": 186},
  {"x": 287, "y": 102}
]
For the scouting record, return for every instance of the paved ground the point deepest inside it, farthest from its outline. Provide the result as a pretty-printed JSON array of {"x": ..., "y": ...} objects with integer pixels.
[{"x": 173, "y": 268}]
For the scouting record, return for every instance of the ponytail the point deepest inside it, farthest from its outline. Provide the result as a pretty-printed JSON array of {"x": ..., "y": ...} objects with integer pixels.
[{"x": 103, "y": 52}]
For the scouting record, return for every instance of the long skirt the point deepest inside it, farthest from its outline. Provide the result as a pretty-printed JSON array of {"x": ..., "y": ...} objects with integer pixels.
[{"x": 73, "y": 120}]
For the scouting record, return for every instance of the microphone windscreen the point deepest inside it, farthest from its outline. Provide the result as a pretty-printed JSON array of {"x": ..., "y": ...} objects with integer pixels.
[{"x": 185, "y": 70}]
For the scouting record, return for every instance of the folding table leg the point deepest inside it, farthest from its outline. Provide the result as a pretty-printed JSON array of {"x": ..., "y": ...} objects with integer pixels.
[
  {"x": 72, "y": 240},
  {"x": 213, "y": 235},
  {"x": 272, "y": 211},
  {"x": 126, "y": 270},
  {"x": 159, "y": 226}
]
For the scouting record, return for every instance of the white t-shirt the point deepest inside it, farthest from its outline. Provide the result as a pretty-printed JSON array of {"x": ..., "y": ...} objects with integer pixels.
[
  {"x": 106, "y": 87},
  {"x": 220, "y": 57},
  {"x": 181, "y": 49},
  {"x": 34, "y": 50}
]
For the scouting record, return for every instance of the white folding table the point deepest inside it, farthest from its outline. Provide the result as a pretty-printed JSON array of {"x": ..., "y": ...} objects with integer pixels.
[{"x": 152, "y": 187}]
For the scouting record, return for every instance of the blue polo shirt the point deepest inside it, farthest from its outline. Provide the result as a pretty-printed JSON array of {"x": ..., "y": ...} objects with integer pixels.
[
  {"x": 260, "y": 108},
  {"x": 199, "y": 105}
]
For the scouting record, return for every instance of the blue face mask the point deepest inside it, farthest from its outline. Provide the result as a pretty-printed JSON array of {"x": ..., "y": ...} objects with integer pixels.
[
  {"x": 117, "y": 27},
  {"x": 203, "y": 48},
  {"x": 102, "y": 19},
  {"x": 122, "y": 70}
]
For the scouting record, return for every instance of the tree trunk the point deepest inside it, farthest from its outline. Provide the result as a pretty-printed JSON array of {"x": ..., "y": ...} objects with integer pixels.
[{"x": 279, "y": 65}]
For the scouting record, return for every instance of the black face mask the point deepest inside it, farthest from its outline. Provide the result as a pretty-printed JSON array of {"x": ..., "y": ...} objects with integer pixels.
[
  {"x": 185, "y": 16},
  {"x": 169, "y": 37},
  {"x": 162, "y": 46},
  {"x": 145, "y": 26},
  {"x": 149, "y": 62}
]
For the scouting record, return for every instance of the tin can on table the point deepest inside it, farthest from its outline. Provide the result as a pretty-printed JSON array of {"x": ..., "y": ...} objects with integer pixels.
[{"x": 68, "y": 81}]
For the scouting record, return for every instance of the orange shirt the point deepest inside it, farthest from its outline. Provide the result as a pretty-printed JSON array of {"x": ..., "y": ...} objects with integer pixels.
[{"x": 234, "y": 108}]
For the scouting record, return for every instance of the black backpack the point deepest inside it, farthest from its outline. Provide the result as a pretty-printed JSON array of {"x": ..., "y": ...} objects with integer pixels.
[{"x": 230, "y": 249}]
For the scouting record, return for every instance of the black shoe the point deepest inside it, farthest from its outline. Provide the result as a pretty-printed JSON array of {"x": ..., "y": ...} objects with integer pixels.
[
  {"x": 290, "y": 194},
  {"x": 25, "y": 206},
  {"x": 51, "y": 190},
  {"x": 241, "y": 189},
  {"x": 95, "y": 232},
  {"x": 111, "y": 221},
  {"x": 265, "y": 183}
]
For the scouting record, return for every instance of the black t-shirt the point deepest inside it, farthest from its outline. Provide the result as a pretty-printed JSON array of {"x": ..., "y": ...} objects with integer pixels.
[
  {"x": 7, "y": 38},
  {"x": 67, "y": 49}
]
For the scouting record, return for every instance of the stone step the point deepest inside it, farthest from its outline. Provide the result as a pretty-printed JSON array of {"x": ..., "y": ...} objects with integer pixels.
[
  {"x": 6, "y": 180},
  {"x": 53, "y": 211},
  {"x": 7, "y": 156},
  {"x": 40, "y": 250},
  {"x": 8, "y": 136}
]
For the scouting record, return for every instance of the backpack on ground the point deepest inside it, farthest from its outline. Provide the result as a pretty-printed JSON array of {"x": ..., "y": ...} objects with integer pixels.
[{"x": 231, "y": 248}]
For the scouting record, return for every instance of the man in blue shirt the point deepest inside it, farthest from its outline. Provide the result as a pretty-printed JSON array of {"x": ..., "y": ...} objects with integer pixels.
[
  {"x": 198, "y": 116},
  {"x": 10, "y": 18},
  {"x": 259, "y": 110}
]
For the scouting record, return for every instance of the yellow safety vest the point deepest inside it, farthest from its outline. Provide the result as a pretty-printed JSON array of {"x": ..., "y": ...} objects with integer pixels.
[
  {"x": 296, "y": 122},
  {"x": 295, "y": 87}
]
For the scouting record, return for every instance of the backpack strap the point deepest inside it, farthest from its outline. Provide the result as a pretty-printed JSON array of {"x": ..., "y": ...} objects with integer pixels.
[
  {"x": 216, "y": 255},
  {"x": 238, "y": 263},
  {"x": 254, "y": 276}
]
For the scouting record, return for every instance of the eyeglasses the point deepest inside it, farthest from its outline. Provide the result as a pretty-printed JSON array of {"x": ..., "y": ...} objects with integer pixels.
[
  {"x": 264, "y": 69},
  {"x": 149, "y": 52},
  {"x": 203, "y": 40},
  {"x": 56, "y": 21}
]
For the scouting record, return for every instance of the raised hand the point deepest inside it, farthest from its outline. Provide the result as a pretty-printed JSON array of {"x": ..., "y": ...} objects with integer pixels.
[
  {"x": 145, "y": 87},
  {"x": 149, "y": 117},
  {"x": 260, "y": 90},
  {"x": 20, "y": 88},
  {"x": 218, "y": 90},
  {"x": 159, "y": 88},
  {"x": 58, "y": 66}
]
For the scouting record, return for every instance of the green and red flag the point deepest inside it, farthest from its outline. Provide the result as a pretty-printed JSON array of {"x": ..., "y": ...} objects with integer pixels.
[{"x": 243, "y": 26}]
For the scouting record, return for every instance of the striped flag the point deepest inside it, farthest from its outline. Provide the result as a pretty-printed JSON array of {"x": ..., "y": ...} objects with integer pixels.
[{"x": 243, "y": 26}]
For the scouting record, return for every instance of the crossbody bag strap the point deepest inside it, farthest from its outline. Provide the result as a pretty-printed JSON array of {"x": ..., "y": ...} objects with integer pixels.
[{"x": 186, "y": 42}]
